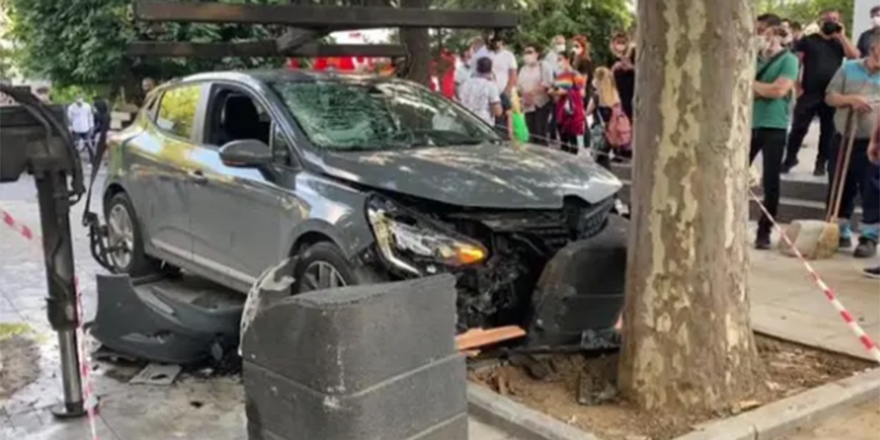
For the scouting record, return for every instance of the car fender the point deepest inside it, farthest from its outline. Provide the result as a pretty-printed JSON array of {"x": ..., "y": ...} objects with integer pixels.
[{"x": 331, "y": 209}]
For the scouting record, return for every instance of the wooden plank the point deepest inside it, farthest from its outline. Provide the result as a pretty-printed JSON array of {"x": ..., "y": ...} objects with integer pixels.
[
  {"x": 266, "y": 48},
  {"x": 476, "y": 338},
  {"x": 296, "y": 37},
  {"x": 311, "y": 16},
  {"x": 203, "y": 50}
]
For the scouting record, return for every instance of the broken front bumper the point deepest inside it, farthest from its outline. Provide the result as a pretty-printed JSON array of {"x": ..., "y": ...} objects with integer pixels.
[
  {"x": 180, "y": 321},
  {"x": 580, "y": 294}
]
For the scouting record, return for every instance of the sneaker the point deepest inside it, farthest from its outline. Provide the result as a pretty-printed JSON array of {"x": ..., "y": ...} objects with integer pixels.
[
  {"x": 872, "y": 272},
  {"x": 819, "y": 170},
  {"x": 762, "y": 243},
  {"x": 844, "y": 243},
  {"x": 867, "y": 248},
  {"x": 788, "y": 165}
]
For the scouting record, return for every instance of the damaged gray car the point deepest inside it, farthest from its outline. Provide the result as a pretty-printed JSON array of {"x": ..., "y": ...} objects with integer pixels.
[{"x": 363, "y": 179}]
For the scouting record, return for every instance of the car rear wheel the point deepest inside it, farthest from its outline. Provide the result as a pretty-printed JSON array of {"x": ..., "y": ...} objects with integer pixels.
[
  {"x": 323, "y": 266},
  {"x": 124, "y": 237}
]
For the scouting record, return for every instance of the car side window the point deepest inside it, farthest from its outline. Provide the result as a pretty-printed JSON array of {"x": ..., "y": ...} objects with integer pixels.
[{"x": 177, "y": 110}]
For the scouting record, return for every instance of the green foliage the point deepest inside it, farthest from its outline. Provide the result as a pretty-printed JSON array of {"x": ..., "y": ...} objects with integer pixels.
[
  {"x": 806, "y": 11},
  {"x": 84, "y": 41},
  {"x": 599, "y": 20},
  {"x": 68, "y": 94}
]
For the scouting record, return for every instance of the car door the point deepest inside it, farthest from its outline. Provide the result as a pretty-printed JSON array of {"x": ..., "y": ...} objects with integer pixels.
[
  {"x": 163, "y": 170},
  {"x": 236, "y": 212}
]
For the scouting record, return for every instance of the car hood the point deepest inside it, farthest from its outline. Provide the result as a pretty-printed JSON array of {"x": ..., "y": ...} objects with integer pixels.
[{"x": 486, "y": 175}]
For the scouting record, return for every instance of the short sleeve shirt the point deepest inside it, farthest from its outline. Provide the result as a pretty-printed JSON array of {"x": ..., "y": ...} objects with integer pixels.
[
  {"x": 478, "y": 94},
  {"x": 822, "y": 57},
  {"x": 775, "y": 112},
  {"x": 854, "y": 79},
  {"x": 503, "y": 62}
]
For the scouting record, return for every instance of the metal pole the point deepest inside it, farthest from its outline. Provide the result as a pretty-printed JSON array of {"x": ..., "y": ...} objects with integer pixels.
[{"x": 62, "y": 302}]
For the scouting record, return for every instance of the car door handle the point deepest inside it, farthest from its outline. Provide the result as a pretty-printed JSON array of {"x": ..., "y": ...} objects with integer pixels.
[{"x": 198, "y": 177}]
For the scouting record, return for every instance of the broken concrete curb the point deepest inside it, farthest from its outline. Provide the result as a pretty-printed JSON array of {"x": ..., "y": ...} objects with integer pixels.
[
  {"x": 517, "y": 419},
  {"x": 787, "y": 415}
]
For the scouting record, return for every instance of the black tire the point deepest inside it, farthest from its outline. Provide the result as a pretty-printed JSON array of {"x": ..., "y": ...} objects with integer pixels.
[
  {"x": 329, "y": 253},
  {"x": 140, "y": 264}
]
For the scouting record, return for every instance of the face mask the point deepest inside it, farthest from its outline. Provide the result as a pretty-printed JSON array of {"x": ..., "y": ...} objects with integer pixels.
[
  {"x": 762, "y": 43},
  {"x": 876, "y": 20},
  {"x": 559, "y": 48},
  {"x": 530, "y": 58},
  {"x": 577, "y": 50}
]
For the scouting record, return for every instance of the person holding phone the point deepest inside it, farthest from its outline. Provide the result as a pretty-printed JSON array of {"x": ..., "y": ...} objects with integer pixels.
[{"x": 821, "y": 55}]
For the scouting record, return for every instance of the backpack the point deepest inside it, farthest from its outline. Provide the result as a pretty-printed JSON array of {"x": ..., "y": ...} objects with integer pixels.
[{"x": 618, "y": 130}]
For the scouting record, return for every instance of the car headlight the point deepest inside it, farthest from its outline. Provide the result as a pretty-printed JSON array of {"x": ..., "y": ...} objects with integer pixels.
[{"x": 411, "y": 244}]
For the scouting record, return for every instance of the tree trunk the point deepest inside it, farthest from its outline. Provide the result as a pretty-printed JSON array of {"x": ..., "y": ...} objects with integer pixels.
[
  {"x": 688, "y": 343},
  {"x": 418, "y": 46}
]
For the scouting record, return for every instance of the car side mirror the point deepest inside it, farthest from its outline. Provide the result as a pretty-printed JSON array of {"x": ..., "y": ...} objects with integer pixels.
[{"x": 246, "y": 153}]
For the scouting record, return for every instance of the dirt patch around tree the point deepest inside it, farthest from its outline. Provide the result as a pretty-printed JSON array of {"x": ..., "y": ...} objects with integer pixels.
[
  {"x": 579, "y": 390},
  {"x": 20, "y": 364}
]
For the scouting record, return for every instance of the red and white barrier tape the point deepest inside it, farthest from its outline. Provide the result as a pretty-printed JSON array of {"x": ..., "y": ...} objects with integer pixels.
[
  {"x": 832, "y": 297},
  {"x": 89, "y": 398}
]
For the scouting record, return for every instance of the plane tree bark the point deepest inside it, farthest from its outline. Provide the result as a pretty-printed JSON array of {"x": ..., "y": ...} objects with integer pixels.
[{"x": 688, "y": 343}]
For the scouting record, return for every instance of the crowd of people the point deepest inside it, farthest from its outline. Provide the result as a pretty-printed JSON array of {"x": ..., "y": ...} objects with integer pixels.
[
  {"x": 566, "y": 99},
  {"x": 819, "y": 73}
]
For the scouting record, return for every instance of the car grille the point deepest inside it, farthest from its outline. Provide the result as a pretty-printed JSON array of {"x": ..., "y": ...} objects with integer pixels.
[{"x": 553, "y": 229}]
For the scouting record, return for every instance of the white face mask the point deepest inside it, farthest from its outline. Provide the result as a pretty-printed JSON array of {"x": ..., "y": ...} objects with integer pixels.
[
  {"x": 559, "y": 48},
  {"x": 577, "y": 50},
  {"x": 762, "y": 43},
  {"x": 876, "y": 20},
  {"x": 530, "y": 58}
]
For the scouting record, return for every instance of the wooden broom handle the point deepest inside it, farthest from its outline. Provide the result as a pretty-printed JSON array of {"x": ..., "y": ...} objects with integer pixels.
[{"x": 840, "y": 177}]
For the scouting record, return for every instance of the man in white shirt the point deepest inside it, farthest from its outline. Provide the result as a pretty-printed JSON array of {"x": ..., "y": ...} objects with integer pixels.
[
  {"x": 81, "y": 119},
  {"x": 504, "y": 69}
]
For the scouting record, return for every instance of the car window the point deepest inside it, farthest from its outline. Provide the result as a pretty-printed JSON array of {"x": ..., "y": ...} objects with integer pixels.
[
  {"x": 379, "y": 115},
  {"x": 177, "y": 110}
]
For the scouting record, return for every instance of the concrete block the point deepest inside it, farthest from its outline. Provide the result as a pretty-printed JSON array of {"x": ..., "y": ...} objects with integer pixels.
[
  {"x": 422, "y": 403},
  {"x": 347, "y": 340}
]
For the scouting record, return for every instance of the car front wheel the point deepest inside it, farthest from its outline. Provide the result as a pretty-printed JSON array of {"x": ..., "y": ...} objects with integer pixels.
[
  {"x": 323, "y": 266},
  {"x": 125, "y": 241}
]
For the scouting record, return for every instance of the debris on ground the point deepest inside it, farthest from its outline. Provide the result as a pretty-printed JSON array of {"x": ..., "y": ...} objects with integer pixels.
[
  {"x": 157, "y": 374},
  {"x": 581, "y": 390}
]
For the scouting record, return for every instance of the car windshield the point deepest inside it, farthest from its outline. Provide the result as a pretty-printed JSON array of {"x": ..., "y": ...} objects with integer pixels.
[{"x": 380, "y": 115}]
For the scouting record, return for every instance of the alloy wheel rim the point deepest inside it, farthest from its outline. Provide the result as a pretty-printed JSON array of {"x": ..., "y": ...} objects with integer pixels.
[
  {"x": 321, "y": 275},
  {"x": 120, "y": 234}
]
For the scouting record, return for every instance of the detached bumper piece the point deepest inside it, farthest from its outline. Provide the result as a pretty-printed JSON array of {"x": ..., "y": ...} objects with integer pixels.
[
  {"x": 580, "y": 294},
  {"x": 181, "y": 321}
]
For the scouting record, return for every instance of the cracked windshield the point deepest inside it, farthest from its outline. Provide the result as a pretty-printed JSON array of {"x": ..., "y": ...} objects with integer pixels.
[{"x": 379, "y": 116}]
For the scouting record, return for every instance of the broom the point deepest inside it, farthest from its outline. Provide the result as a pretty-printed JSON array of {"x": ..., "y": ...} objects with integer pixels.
[
  {"x": 816, "y": 239},
  {"x": 829, "y": 240}
]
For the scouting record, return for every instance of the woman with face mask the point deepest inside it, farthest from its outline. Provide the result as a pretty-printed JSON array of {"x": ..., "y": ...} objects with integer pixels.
[
  {"x": 533, "y": 84},
  {"x": 568, "y": 91}
]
